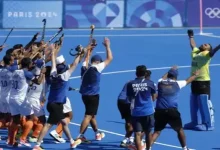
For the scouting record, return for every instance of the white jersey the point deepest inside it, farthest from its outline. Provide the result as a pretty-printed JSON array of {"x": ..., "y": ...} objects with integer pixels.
[
  {"x": 20, "y": 84},
  {"x": 35, "y": 91},
  {"x": 5, "y": 81}
]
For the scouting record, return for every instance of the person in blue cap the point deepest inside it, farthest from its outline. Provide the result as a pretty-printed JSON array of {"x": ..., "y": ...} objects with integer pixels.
[
  {"x": 90, "y": 88},
  {"x": 59, "y": 84},
  {"x": 166, "y": 111}
]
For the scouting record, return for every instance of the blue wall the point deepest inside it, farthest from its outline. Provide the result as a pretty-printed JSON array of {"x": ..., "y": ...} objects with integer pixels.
[{"x": 108, "y": 13}]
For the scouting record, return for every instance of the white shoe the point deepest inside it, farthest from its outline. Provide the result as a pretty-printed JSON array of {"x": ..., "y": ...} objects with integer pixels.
[
  {"x": 75, "y": 143},
  {"x": 33, "y": 140},
  {"x": 99, "y": 136},
  {"x": 57, "y": 137}
]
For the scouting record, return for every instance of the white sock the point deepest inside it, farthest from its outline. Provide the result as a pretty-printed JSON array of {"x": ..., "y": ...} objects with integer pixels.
[
  {"x": 131, "y": 139},
  {"x": 72, "y": 141},
  {"x": 125, "y": 140},
  {"x": 38, "y": 143},
  {"x": 185, "y": 148}
]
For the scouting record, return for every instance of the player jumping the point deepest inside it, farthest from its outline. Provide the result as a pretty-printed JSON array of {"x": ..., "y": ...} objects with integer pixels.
[{"x": 200, "y": 88}]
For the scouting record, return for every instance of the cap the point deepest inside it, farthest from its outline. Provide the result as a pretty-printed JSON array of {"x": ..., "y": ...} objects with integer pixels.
[
  {"x": 60, "y": 60},
  {"x": 96, "y": 58},
  {"x": 173, "y": 72},
  {"x": 61, "y": 68}
]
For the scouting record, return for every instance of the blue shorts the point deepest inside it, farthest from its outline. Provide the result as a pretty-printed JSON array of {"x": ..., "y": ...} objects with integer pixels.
[{"x": 143, "y": 123}]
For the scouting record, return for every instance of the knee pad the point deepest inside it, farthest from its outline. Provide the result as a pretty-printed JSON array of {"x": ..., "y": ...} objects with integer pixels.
[{"x": 207, "y": 111}]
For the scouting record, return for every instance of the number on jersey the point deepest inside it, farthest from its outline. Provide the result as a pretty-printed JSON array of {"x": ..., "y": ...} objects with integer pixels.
[
  {"x": 33, "y": 88},
  {"x": 4, "y": 83},
  {"x": 15, "y": 85}
]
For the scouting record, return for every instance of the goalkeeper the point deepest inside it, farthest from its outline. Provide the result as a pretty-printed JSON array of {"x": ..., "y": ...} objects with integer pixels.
[{"x": 201, "y": 109}]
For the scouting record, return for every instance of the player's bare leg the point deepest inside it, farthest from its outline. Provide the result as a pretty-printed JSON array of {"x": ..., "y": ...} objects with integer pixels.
[{"x": 15, "y": 125}]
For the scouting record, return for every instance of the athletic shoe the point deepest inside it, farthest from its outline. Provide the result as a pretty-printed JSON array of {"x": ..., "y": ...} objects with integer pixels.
[
  {"x": 99, "y": 136},
  {"x": 57, "y": 137},
  {"x": 123, "y": 144},
  {"x": 33, "y": 140},
  {"x": 16, "y": 144},
  {"x": 83, "y": 139},
  {"x": 75, "y": 143},
  {"x": 37, "y": 147},
  {"x": 25, "y": 143},
  {"x": 133, "y": 147}
]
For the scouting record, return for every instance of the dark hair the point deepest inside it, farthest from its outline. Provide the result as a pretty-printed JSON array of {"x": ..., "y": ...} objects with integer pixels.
[
  {"x": 17, "y": 46},
  {"x": 170, "y": 76},
  {"x": 25, "y": 62},
  {"x": 141, "y": 70},
  {"x": 48, "y": 70},
  {"x": 37, "y": 43},
  {"x": 7, "y": 59},
  {"x": 9, "y": 51},
  {"x": 148, "y": 73}
]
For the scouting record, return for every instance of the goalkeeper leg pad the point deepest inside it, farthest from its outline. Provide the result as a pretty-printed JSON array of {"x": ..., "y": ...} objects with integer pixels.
[
  {"x": 207, "y": 113},
  {"x": 194, "y": 112}
]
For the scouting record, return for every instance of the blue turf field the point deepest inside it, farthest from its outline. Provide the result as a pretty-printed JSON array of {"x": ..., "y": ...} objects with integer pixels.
[{"x": 158, "y": 50}]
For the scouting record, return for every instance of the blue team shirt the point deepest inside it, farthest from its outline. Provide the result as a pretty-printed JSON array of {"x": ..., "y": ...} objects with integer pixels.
[
  {"x": 28, "y": 75},
  {"x": 139, "y": 91},
  {"x": 91, "y": 79},
  {"x": 123, "y": 94},
  {"x": 59, "y": 85},
  {"x": 12, "y": 67},
  {"x": 168, "y": 93}
]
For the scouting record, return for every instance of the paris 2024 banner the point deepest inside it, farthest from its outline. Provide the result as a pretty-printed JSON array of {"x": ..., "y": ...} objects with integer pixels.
[{"x": 108, "y": 13}]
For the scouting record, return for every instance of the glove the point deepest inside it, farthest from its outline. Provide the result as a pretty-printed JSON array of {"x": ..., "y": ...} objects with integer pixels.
[{"x": 190, "y": 33}]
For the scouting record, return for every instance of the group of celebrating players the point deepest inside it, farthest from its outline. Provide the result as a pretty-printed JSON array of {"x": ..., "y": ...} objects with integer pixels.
[
  {"x": 135, "y": 102},
  {"x": 26, "y": 81}
]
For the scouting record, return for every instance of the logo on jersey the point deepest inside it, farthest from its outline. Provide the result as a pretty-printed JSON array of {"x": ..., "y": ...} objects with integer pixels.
[{"x": 139, "y": 87}]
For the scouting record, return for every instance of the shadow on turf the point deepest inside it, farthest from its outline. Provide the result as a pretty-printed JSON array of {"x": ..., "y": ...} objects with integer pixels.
[
  {"x": 100, "y": 146},
  {"x": 115, "y": 122},
  {"x": 216, "y": 148}
]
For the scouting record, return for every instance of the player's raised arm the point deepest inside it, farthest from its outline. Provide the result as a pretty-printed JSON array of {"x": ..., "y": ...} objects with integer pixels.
[
  {"x": 2, "y": 47},
  {"x": 109, "y": 56},
  {"x": 53, "y": 61},
  {"x": 191, "y": 38},
  {"x": 213, "y": 51},
  {"x": 32, "y": 41},
  {"x": 89, "y": 48},
  {"x": 75, "y": 62}
]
